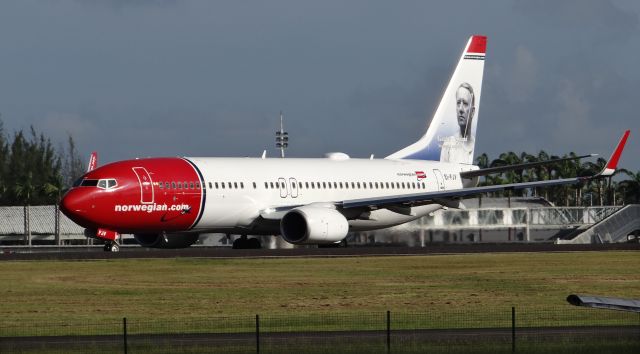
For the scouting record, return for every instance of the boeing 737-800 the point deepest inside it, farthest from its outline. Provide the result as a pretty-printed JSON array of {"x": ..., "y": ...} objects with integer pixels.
[{"x": 167, "y": 202}]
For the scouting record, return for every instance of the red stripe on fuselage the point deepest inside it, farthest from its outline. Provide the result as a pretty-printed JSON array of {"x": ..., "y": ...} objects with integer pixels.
[{"x": 125, "y": 210}]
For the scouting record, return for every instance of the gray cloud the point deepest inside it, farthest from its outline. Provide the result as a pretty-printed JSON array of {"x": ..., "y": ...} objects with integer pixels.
[{"x": 149, "y": 78}]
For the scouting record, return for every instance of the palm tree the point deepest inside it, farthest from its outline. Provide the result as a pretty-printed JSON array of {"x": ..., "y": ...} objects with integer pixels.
[
  {"x": 543, "y": 172},
  {"x": 593, "y": 168},
  {"x": 24, "y": 189},
  {"x": 630, "y": 188}
]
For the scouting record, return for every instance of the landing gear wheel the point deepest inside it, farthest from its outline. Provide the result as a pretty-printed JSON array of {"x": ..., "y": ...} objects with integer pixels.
[
  {"x": 254, "y": 243},
  {"x": 111, "y": 247},
  {"x": 244, "y": 243},
  {"x": 240, "y": 243}
]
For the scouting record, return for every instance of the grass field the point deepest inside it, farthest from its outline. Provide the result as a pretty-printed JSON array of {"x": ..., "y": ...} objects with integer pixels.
[{"x": 176, "y": 289}]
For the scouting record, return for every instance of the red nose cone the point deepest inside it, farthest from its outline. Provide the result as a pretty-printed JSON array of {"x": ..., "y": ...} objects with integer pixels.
[
  {"x": 75, "y": 205},
  {"x": 69, "y": 203}
]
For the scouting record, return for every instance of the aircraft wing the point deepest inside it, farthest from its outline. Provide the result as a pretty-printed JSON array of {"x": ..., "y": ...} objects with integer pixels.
[
  {"x": 453, "y": 193},
  {"x": 522, "y": 166},
  {"x": 418, "y": 198}
]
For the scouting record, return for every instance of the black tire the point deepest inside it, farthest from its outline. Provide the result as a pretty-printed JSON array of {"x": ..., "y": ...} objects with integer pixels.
[
  {"x": 254, "y": 243},
  {"x": 239, "y": 244}
]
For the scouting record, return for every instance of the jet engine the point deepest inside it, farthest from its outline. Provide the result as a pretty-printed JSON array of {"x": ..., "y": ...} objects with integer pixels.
[
  {"x": 164, "y": 240},
  {"x": 313, "y": 225}
]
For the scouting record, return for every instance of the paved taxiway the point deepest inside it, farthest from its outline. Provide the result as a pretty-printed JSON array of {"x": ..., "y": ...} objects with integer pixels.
[{"x": 85, "y": 253}]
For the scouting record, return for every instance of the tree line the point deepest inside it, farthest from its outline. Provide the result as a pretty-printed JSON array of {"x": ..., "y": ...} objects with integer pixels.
[
  {"x": 32, "y": 171},
  {"x": 625, "y": 189}
]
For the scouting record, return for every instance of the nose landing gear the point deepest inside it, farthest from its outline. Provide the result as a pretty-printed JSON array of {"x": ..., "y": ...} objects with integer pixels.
[{"x": 111, "y": 246}]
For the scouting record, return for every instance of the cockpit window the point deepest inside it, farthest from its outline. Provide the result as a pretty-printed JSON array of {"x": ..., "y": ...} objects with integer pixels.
[
  {"x": 78, "y": 182},
  {"x": 106, "y": 183},
  {"x": 89, "y": 183}
]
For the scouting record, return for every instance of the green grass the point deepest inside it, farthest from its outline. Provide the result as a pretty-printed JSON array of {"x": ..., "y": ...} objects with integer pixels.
[{"x": 477, "y": 288}]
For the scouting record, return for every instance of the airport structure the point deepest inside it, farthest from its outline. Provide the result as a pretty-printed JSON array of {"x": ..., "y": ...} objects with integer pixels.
[{"x": 495, "y": 221}]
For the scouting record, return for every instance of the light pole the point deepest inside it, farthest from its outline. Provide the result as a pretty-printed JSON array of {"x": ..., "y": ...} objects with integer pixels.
[{"x": 282, "y": 137}]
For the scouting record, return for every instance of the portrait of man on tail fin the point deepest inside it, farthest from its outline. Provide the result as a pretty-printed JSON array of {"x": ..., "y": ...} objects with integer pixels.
[{"x": 459, "y": 147}]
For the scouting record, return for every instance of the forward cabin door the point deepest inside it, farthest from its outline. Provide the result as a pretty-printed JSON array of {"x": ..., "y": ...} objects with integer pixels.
[
  {"x": 283, "y": 187},
  {"x": 146, "y": 185}
]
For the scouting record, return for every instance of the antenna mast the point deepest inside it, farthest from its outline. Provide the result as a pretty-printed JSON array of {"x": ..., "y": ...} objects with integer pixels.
[{"x": 282, "y": 137}]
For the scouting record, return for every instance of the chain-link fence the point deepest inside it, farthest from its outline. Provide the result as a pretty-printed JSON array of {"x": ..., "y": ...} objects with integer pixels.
[
  {"x": 43, "y": 223},
  {"x": 46, "y": 225},
  {"x": 507, "y": 330}
]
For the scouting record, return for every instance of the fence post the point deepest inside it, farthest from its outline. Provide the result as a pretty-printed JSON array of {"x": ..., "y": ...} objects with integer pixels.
[
  {"x": 513, "y": 329},
  {"x": 258, "y": 334},
  {"x": 388, "y": 331},
  {"x": 27, "y": 227},
  {"x": 124, "y": 333},
  {"x": 56, "y": 232}
]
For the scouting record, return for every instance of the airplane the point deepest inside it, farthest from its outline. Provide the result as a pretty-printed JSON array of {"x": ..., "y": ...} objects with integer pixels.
[{"x": 167, "y": 202}]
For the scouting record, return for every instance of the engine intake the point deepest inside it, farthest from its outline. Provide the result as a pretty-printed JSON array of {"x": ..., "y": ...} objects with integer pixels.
[
  {"x": 313, "y": 225},
  {"x": 164, "y": 240}
]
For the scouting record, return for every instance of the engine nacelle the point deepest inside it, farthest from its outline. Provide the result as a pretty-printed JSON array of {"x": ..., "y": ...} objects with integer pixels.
[
  {"x": 313, "y": 225},
  {"x": 164, "y": 240}
]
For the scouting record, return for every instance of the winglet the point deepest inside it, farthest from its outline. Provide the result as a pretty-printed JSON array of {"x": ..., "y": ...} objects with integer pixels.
[
  {"x": 612, "y": 164},
  {"x": 93, "y": 161}
]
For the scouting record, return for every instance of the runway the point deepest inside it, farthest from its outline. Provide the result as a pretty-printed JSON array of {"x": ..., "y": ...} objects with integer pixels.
[{"x": 96, "y": 252}]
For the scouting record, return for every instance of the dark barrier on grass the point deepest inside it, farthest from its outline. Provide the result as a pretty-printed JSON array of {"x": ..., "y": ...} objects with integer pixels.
[{"x": 560, "y": 330}]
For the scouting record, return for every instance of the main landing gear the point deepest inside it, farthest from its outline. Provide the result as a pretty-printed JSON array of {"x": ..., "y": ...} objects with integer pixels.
[
  {"x": 111, "y": 246},
  {"x": 246, "y": 243}
]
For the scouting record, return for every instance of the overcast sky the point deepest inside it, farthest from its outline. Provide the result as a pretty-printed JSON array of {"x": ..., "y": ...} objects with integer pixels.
[{"x": 208, "y": 78}]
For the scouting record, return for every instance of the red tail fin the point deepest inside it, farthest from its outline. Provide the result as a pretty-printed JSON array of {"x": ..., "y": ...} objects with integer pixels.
[{"x": 93, "y": 161}]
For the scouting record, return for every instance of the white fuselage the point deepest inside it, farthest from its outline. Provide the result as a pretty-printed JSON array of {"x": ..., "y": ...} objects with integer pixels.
[{"x": 240, "y": 190}]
